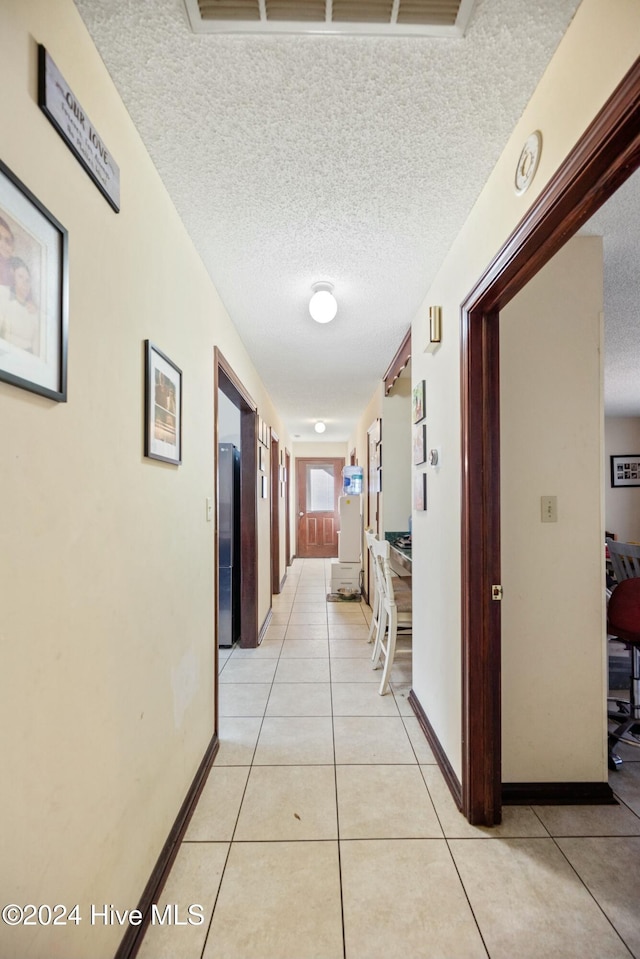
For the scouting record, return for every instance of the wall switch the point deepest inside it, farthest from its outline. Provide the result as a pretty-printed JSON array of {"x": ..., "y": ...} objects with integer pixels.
[
  {"x": 209, "y": 509},
  {"x": 549, "y": 509}
]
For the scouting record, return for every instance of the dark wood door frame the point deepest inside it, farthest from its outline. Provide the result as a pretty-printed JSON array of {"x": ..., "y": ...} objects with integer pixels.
[
  {"x": 275, "y": 514},
  {"x": 287, "y": 505},
  {"x": 226, "y": 380},
  {"x": 604, "y": 157}
]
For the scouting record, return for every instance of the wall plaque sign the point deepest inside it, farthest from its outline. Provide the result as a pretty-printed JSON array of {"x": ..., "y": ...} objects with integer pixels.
[{"x": 60, "y": 105}]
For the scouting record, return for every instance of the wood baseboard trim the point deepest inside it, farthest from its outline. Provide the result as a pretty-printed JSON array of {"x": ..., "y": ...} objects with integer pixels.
[
  {"x": 283, "y": 581},
  {"x": 265, "y": 626},
  {"x": 132, "y": 939},
  {"x": 441, "y": 757},
  {"x": 558, "y": 794}
]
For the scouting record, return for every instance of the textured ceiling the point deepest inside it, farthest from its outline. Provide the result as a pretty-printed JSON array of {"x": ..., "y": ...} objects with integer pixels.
[{"x": 297, "y": 159}]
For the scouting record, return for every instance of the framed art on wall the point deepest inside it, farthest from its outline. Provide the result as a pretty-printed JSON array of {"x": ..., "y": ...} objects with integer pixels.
[
  {"x": 162, "y": 407},
  {"x": 419, "y": 444},
  {"x": 420, "y": 491},
  {"x": 34, "y": 293},
  {"x": 418, "y": 401},
  {"x": 625, "y": 469}
]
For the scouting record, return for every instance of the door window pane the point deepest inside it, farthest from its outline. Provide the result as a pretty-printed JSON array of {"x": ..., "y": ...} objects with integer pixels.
[{"x": 320, "y": 488}]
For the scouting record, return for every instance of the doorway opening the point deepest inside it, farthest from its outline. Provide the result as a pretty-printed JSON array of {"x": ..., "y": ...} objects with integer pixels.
[
  {"x": 604, "y": 157},
  {"x": 227, "y": 383}
]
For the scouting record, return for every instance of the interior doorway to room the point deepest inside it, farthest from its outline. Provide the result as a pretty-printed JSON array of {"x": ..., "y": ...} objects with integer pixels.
[
  {"x": 318, "y": 482},
  {"x": 227, "y": 383},
  {"x": 605, "y": 156}
]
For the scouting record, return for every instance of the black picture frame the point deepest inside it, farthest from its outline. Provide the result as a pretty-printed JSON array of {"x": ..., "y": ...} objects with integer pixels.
[
  {"x": 625, "y": 470},
  {"x": 418, "y": 401},
  {"x": 420, "y": 444},
  {"x": 162, "y": 407},
  {"x": 420, "y": 492},
  {"x": 34, "y": 292}
]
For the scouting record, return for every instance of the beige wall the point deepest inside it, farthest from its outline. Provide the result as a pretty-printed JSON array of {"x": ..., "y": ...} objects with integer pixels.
[
  {"x": 553, "y": 636},
  {"x": 566, "y": 100},
  {"x": 622, "y": 504},
  {"x": 106, "y": 558}
]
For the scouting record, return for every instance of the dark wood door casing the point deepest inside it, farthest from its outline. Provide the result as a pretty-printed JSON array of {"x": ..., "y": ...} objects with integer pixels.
[
  {"x": 317, "y": 532},
  {"x": 604, "y": 157},
  {"x": 226, "y": 380},
  {"x": 287, "y": 505},
  {"x": 275, "y": 514}
]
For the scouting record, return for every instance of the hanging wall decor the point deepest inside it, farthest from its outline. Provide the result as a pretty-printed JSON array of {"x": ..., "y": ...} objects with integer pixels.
[
  {"x": 34, "y": 293},
  {"x": 163, "y": 407},
  {"x": 60, "y": 105}
]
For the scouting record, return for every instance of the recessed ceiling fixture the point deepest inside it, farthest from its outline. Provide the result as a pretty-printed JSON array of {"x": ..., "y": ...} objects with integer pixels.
[
  {"x": 320, "y": 427},
  {"x": 323, "y": 305}
]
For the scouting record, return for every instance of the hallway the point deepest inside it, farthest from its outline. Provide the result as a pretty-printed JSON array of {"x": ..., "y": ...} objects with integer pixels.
[{"x": 325, "y": 829}]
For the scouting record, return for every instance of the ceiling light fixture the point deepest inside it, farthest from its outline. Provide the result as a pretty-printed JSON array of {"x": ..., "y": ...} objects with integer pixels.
[
  {"x": 323, "y": 305},
  {"x": 320, "y": 427}
]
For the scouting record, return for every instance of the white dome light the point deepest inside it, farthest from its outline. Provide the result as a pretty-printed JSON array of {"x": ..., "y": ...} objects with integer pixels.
[
  {"x": 323, "y": 305},
  {"x": 320, "y": 427}
]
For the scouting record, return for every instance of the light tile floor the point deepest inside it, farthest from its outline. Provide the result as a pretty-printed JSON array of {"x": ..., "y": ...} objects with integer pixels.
[{"x": 325, "y": 830}]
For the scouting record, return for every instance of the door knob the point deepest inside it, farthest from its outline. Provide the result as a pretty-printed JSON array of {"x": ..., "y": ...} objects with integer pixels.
[{"x": 301, "y": 514}]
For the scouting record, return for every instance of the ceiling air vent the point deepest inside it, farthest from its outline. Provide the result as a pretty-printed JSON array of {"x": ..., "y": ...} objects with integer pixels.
[{"x": 391, "y": 18}]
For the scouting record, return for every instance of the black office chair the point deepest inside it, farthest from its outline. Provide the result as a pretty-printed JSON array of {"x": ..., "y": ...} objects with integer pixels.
[{"x": 623, "y": 622}]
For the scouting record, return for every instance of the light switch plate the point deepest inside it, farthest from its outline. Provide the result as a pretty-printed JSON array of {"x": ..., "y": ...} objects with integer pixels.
[{"x": 549, "y": 509}]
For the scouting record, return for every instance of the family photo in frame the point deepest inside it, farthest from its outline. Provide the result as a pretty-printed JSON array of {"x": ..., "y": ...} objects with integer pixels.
[{"x": 33, "y": 292}]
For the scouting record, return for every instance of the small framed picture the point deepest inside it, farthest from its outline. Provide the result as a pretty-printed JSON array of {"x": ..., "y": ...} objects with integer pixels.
[
  {"x": 418, "y": 401},
  {"x": 162, "y": 407},
  {"x": 264, "y": 488},
  {"x": 419, "y": 444},
  {"x": 34, "y": 292},
  {"x": 625, "y": 469},
  {"x": 420, "y": 491},
  {"x": 261, "y": 458}
]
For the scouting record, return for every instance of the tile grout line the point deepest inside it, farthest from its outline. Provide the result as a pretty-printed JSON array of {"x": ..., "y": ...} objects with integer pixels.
[
  {"x": 335, "y": 786},
  {"x": 244, "y": 792},
  {"x": 585, "y": 886}
]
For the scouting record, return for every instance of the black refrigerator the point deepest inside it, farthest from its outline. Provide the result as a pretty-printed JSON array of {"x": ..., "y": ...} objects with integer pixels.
[{"x": 228, "y": 544}]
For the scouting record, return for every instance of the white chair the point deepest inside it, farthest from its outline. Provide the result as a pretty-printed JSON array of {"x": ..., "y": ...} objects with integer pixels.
[
  {"x": 393, "y": 612},
  {"x": 625, "y": 559},
  {"x": 374, "y": 592}
]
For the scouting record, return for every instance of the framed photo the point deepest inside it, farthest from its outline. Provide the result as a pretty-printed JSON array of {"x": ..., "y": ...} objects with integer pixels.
[
  {"x": 374, "y": 431},
  {"x": 625, "y": 469},
  {"x": 418, "y": 401},
  {"x": 420, "y": 491},
  {"x": 162, "y": 407},
  {"x": 34, "y": 292},
  {"x": 261, "y": 458},
  {"x": 264, "y": 489},
  {"x": 419, "y": 444}
]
